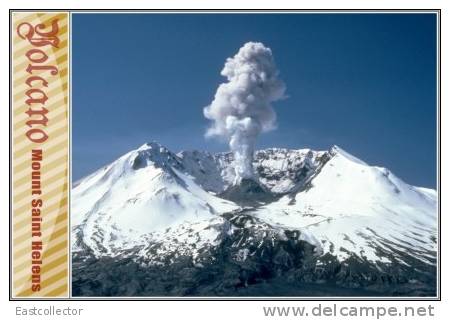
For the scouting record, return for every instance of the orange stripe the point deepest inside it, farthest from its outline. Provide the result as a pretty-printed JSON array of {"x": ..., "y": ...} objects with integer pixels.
[
  {"x": 51, "y": 194},
  {"x": 18, "y": 225},
  {"x": 58, "y": 276},
  {"x": 54, "y": 175}
]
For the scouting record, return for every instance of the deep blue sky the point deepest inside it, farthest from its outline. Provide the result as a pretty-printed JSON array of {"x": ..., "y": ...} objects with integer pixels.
[{"x": 366, "y": 82}]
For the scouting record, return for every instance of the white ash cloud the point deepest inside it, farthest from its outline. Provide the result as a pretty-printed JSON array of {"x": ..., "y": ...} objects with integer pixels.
[{"x": 242, "y": 108}]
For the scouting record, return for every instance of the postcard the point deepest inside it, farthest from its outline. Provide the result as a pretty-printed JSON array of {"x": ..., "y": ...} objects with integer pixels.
[{"x": 225, "y": 155}]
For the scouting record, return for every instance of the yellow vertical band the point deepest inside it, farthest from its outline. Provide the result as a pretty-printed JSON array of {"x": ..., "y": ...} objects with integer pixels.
[{"x": 40, "y": 154}]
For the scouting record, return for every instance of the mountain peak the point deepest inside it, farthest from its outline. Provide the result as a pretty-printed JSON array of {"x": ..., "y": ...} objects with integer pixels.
[
  {"x": 336, "y": 150},
  {"x": 151, "y": 145},
  {"x": 153, "y": 153}
]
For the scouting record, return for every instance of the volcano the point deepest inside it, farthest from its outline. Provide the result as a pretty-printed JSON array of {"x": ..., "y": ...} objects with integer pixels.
[{"x": 314, "y": 223}]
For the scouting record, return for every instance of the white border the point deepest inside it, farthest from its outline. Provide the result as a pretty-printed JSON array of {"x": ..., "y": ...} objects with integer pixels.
[{"x": 230, "y": 309}]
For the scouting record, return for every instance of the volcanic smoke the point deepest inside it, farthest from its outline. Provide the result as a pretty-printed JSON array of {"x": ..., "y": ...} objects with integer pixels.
[{"x": 242, "y": 108}]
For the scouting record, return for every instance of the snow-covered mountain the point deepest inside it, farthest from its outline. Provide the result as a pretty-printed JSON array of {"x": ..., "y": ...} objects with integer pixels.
[{"x": 312, "y": 216}]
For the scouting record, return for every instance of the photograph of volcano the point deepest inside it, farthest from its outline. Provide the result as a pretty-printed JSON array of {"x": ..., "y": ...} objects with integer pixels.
[{"x": 254, "y": 155}]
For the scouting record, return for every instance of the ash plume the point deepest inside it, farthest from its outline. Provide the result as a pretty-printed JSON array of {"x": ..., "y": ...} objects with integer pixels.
[{"x": 242, "y": 108}]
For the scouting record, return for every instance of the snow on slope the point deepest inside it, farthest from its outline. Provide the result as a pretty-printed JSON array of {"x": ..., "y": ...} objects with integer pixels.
[
  {"x": 339, "y": 203},
  {"x": 140, "y": 193},
  {"x": 355, "y": 208}
]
